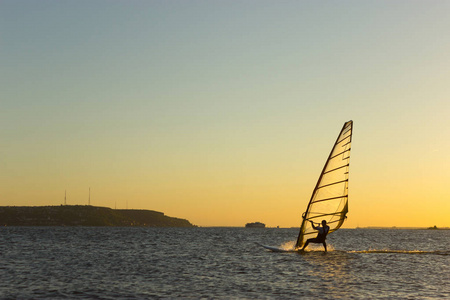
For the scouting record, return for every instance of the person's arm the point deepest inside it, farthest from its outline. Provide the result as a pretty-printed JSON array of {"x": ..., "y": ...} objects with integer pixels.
[{"x": 314, "y": 227}]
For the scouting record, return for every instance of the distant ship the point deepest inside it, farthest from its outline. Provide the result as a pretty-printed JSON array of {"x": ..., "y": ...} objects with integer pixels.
[{"x": 255, "y": 225}]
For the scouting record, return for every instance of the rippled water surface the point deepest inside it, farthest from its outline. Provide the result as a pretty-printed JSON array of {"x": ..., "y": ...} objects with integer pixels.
[{"x": 121, "y": 263}]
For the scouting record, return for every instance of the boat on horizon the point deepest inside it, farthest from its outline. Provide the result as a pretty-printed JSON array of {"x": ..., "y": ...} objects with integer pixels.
[{"x": 255, "y": 225}]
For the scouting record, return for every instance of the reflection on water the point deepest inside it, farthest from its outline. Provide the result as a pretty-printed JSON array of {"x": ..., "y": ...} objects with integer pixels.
[
  {"x": 331, "y": 270},
  {"x": 219, "y": 263},
  {"x": 387, "y": 251}
]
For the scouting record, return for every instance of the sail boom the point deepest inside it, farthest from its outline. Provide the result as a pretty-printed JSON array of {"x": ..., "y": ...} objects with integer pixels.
[
  {"x": 335, "y": 221},
  {"x": 323, "y": 215}
]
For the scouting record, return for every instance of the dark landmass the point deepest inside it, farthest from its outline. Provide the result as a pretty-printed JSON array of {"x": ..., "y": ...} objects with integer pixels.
[
  {"x": 78, "y": 215},
  {"x": 403, "y": 228},
  {"x": 255, "y": 225},
  {"x": 438, "y": 228}
]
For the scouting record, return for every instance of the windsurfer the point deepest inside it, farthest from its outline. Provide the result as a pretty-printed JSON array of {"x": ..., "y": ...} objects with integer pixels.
[{"x": 321, "y": 236}]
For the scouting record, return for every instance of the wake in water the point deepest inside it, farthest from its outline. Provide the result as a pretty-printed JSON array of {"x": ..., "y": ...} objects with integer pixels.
[
  {"x": 290, "y": 247},
  {"x": 387, "y": 251}
]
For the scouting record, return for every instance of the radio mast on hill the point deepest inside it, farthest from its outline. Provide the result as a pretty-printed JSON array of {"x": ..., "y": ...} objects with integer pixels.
[
  {"x": 89, "y": 203},
  {"x": 65, "y": 199}
]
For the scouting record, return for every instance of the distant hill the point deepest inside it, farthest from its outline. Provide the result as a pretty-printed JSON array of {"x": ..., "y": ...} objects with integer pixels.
[{"x": 78, "y": 215}]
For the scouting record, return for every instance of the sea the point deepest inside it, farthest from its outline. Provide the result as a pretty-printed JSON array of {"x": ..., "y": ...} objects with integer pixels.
[{"x": 220, "y": 263}]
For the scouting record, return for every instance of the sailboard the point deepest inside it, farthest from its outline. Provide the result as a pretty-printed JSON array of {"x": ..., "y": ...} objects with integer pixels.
[{"x": 329, "y": 199}]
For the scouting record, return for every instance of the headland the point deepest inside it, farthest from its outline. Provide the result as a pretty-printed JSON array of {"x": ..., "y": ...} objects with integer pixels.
[{"x": 85, "y": 215}]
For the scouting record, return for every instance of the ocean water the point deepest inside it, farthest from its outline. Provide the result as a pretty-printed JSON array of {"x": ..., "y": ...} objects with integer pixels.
[{"x": 220, "y": 263}]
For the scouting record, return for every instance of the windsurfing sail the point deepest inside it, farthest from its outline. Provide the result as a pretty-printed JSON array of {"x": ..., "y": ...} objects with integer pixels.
[{"x": 329, "y": 200}]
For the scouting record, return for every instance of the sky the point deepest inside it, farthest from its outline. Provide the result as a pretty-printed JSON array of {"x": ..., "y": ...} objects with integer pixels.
[{"x": 224, "y": 112}]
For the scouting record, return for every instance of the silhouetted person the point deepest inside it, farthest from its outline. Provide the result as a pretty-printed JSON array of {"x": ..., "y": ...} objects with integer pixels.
[{"x": 321, "y": 236}]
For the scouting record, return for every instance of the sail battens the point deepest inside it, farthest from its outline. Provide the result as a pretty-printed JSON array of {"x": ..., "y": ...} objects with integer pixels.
[
  {"x": 333, "y": 198},
  {"x": 349, "y": 142},
  {"x": 336, "y": 169},
  {"x": 348, "y": 150},
  {"x": 337, "y": 182},
  {"x": 329, "y": 199},
  {"x": 345, "y": 132},
  {"x": 343, "y": 137}
]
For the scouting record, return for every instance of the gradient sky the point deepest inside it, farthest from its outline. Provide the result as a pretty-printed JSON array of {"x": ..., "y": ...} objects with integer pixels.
[{"x": 223, "y": 112}]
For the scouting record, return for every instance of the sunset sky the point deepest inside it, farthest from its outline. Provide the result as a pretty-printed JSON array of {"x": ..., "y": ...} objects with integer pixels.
[{"x": 223, "y": 112}]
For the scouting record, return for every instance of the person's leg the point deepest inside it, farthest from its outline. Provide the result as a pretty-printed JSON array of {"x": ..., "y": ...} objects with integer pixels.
[
  {"x": 325, "y": 246},
  {"x": 306, "y": 244}
]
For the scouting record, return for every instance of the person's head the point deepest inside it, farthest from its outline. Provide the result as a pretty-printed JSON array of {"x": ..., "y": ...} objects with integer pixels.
[{"x": 324, "y": 222}]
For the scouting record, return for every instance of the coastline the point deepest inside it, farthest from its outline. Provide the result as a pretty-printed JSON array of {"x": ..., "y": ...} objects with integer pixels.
[{"x": 85, "y": 215}]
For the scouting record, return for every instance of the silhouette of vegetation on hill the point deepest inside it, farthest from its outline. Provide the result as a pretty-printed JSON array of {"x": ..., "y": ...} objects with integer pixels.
[{"x": 78, "y": 215}]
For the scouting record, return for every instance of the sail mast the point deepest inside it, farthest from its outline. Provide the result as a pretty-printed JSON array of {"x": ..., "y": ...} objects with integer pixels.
[{"x": 324, "y": 171}]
